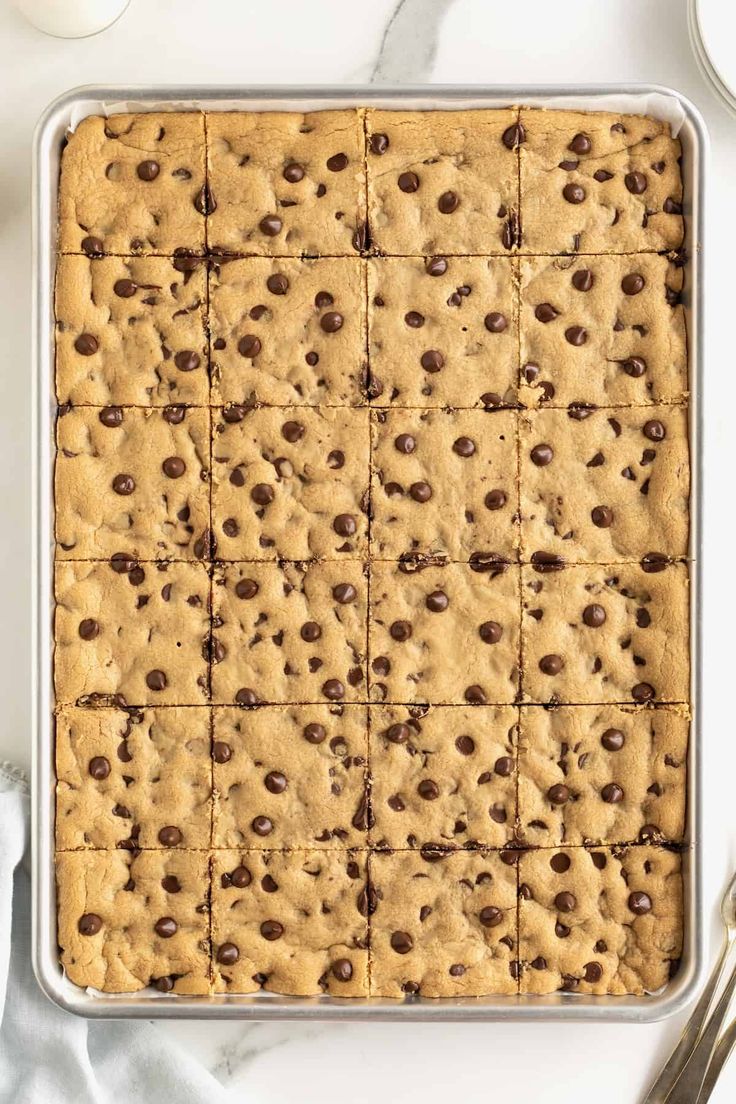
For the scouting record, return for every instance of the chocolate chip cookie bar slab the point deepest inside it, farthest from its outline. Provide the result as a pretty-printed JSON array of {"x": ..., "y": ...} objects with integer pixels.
[
  {"x": 605, "y": 633},
  {"x": 291, "y": 777},
  {"x": 130, "y": 921},
  {"x": 442, "y": 331},
  {"x": 131, "y": 330},
  {"x": 443, "y": 775},
  {"x": 443, "y": 181},
  {"x": 286, "y": 183},
  {"x": 444, "y": 483},
  {"x": 604, "y": 485},
  {"x": 132, "y": 480},
  {"x": 608, "y": 331},
  {"x": 289, "y": 633},
  {"x": 598, "y": 183},
  {"x": 291, "y": 483},
  {"x": 287, "y": 331},
  {"x": 443, "y": 925},
  {"x": 444, "y": 634},
  {"x": 131, "y": 634},
  {"x": 602, "y": 774},
  {"x": 135, "y": 778},
  {"x": 293, "y": 923},
  {"x": 134, "y": 184},
  {"x": 600, "y": 921}
]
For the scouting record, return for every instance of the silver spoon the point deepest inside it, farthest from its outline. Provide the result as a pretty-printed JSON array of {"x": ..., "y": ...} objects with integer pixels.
[{"x": 693, "y": 1051}]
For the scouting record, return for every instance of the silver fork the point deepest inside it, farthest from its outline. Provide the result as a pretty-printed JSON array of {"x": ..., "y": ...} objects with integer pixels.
[
  {"x": 721, "y": 1054},
  {"x": 682, "y": 1075}
]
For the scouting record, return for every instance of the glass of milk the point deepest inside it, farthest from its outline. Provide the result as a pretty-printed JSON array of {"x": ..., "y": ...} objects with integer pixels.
[{"x": 71, "y": 18}]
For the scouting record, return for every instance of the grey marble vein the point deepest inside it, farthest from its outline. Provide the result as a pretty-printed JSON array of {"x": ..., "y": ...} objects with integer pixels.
[{"x": 409, "y": 43}]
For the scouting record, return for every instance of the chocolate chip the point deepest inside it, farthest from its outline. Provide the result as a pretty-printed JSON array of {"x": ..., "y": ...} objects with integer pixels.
[
  {"x": 342, "y": 969},
  {"x": 345, "y": 525},
  {"x": 89, "y": 628},
  {"x": 227, "y": 954},
  {"x": 581, "y": 143},
  {"x": 337, "y": 162},
  {"x": 99, "y": 767},
  {"x": 409, "y": 182},
  {"x": 602, "y": 516},
  {"x": 582, "y": 279},
  {"x": 400, "y": 631},
  {"x": 432, "y": 360},
  {"x": 89, "y": 923},
  {"x": 640, "y": 902},
  {"x": 436, "y": 266},
  {"x": 495, "y": 322},
  {"x": 333, "y": 689},
  {"x": 170, "y": 836},
  {"x": 558, "y": 794},
  {"x": 174, "y": 414},
  {"x": 574, "y": 193},
  {"x": 475, "y": 695},
  {"x": 634, "y": 366},
  {"x": 174, "y": 467},
  {"x": 275, "y": 782},
  {"x": 171, "y": 884},
  {"x": 414, "y": 320},
  {"x": 565, "y": 902},
  {"x": 156, "y": 680},
  {"x": 671, "y": 206},
  {"x": 428, "y": 789},
  {"x": 262, "y": 825},
  {"x": 465, "y": 745},
  {"x": 166, "y": 927},
  {"x": 186, "y": 360},
  {"x": 344, "y": 593},
  {"x": 148, "y": 170},
  {"x": 379, "y": 143},
  {"x": 602, "y": 175},
  {"x": 270, "y": 225},
  {"x": 401, "y": 942},
  {"x": 545, "y": 312},
  {"x": 293, "y": 173},
  {"x": 513, "y": 136},
  {"x": 576, "y": 335},
  {"x": 221, "y": 752},
  {"x": 277, "y": 284},
  {"x": 397, "y": 733},
  {"x": 271, "y": 930},
  {"x": 86, "y": 344},
  {"x": 551, "y": 664},
  {"x": 437, "y": 601},
  {"x": 636, "y": 182},
  {"x": 249, "y": 346},
  {"x": 331, "y": 322},
  {"x": 124, "y": 289},
  {"x": 594, "y": 616},
  {"x": 642, "y": 692},
  {"x": 241, "y": 877},
  {"x": 632, "y": 283},
  {"x": 495, "y": 500},
  {"x": 490, "y": 632},
  {"x": 560, "y": 862},
  {"x": 448, "y": 202},
  {"x": 420, "y": 491},
  {"x": 612, "y": 793},
  {"x": 654, "y": 430},
  {"x": 310, "y": 631},
  {"x": 92, "y": 246},
  {"x": 541, "y": 455},
  {"x": 405, "y": 443},
  {"x": 246, "y": 696},
  {"x": 262, "y": 494},
  {"x": 592, "y": 972}
]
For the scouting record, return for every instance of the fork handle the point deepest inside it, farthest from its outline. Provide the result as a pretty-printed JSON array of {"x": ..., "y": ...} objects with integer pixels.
[
  {"x": 675, "y": 1064},
  {"x": 720, "y": 1056},
  {"x": 691, "y": 1079}
]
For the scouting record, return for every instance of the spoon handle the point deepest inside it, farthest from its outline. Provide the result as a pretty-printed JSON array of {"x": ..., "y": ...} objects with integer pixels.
[
  {"x": 675, "y": 1064},
  {"x": 691, "y": 1079},
  {"x": 721, "y": 1054}
]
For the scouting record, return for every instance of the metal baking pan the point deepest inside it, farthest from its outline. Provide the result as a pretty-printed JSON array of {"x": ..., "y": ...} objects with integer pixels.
[{"x": 66, "y": 111}]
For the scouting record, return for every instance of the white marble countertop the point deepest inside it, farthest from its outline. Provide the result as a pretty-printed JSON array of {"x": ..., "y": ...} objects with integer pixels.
[{"x": 240, "y": 41}]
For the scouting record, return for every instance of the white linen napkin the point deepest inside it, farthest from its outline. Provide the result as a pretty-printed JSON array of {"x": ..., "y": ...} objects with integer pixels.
[{"x": 48, "y": 1056}]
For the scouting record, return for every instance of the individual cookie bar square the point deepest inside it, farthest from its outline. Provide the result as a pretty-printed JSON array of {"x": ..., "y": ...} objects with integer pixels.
[
  {"x": 598, "y": 183},
  {"x": 613, "y": 633},
  {"x": 602, "y": 330},
  {"x": 605, "y": 485},
  {"x": 444, "y": 483},
  {"x": 133, "y": 480},
  {"x": 445, "y": 634},
  {"x": 599, "y": 921},
  {"x": 134, "y": 184},
  {"x": 602, "y": 774},
  {"x": 443, "y": 925},
  {"x": 291, "y": 776},
  {"x": 293, "y": 922},
  {"x": 443, "y": 775},
  {"x": 135, "y": 778},
  {"x": 131, "y": 330},
  {"x": 286, "y": 183},
  {"x": 127, "y": 921},
  {"x": 442, "y": 332},
  {"x": 290, "y": 483},
  {"x": 289, "y": 632},
  {"x": 443, "y": 181},
  {"x": 288, "y": 331},
  {"x": 131, "y": 634}
]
